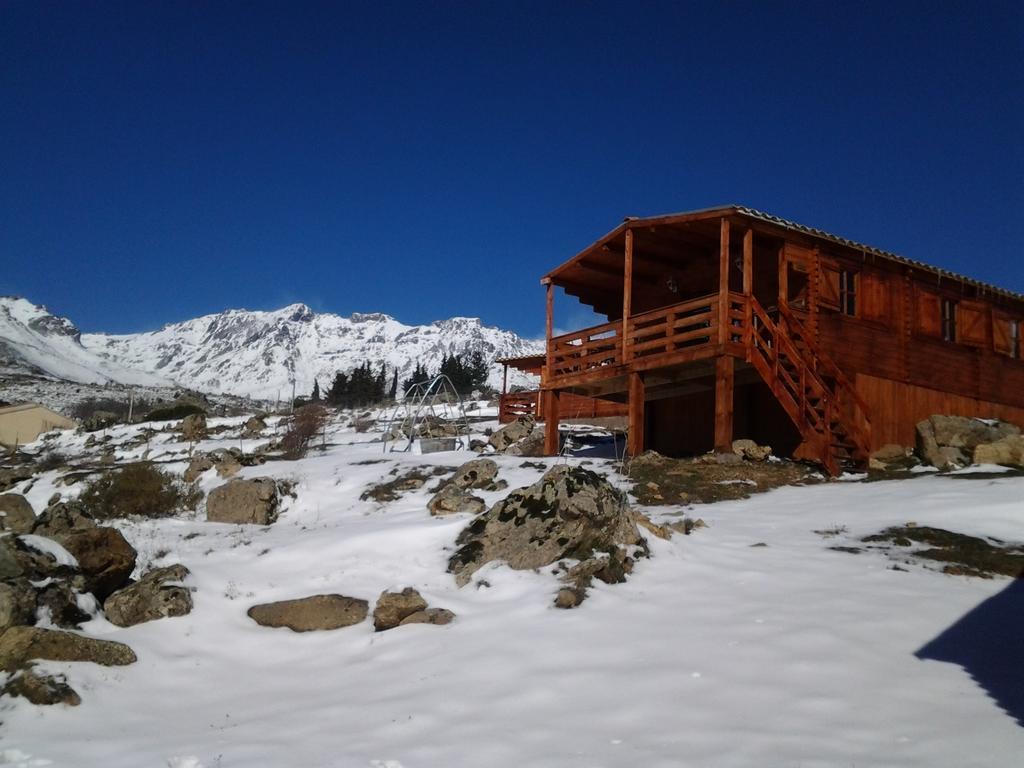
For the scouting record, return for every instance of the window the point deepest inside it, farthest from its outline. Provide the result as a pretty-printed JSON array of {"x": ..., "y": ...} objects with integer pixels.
[
  {"x": 848, "y": 293},
  {"x": 948, "y": 320},
  {"x": 1015, "y": 339}
]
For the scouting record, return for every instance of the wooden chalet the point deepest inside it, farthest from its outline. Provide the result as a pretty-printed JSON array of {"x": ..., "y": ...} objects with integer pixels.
[{"x": 729, "y": 322}]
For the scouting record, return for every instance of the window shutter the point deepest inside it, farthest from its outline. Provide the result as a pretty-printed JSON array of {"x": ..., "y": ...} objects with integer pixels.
[
  {"x": 929, "y": 313},
  {"x": 828, "y": 290},
  {"x": 874, "y": 296},
  {"x": 1002, "y": 337},
  {"x": 971, "y": 325}
]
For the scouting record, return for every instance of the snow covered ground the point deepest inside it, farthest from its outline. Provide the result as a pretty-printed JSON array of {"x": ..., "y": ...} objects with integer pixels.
[{"x": 714, "y": 653}]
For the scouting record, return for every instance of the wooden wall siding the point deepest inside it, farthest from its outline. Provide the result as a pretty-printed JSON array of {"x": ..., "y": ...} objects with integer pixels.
[{"x": 896, "y": 408}]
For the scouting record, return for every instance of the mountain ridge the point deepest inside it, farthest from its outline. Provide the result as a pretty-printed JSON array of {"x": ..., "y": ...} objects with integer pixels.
[{"x": 254, "y": 353}]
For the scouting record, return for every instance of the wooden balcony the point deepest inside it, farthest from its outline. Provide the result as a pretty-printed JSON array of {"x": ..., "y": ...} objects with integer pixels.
[{"x": 672, "y": 335}]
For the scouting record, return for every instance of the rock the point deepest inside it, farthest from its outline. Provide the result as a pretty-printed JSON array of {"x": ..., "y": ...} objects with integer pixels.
[
  {"x": 41, "y": 689},
  {"x": 200, "y": 463},
  {"x": 748, "y": 449},
  {"x": 949, "y": 441},
  {"x": 19, "y": 645},
  {"x": 61, "y": 602},
  {"x": 253, "y": 427},
  {"x": 11, "y": 476},
  {"x": 54, "y": 499},
  {"x": 99, "y": 420},
  {"x": 104, "y": 555},
  {"x": 569, "y": 513},
  {"x": 437, "y": 616},
  {"x": 193, "y": 427},
  {"x": 891, "y": 452},
  {"x": 568, "y": 598},
  {"x": 1009, "y": 451},
  {"x": 451, "y": 500},
  {"x": 63, "y": 517},
  {"x": 531, "y": 445},
  {"x": 253, "y": 501},
  {"x": 393, "y": 607},
  {"x": 228, "y": 465},
  {"x": 17, "y": 603},
  {"x": 478, "y": 473},
  {"x": 311, "y": 613},
  {"x": 16, "y": 513},
  {"x": 10, "y": 562},
  {"x": 643, "y": 521},
  {"x": 151, "y": 597},
  {"x": 512, "y": 432}
]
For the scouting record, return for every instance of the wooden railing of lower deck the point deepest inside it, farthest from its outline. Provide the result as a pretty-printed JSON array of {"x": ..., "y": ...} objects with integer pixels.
[
  {"x": 579, "y": 352},
  {"x": 683, "y": 327},
  {"x": 515, "y": 404},
  {"x": 686, "y": 326}
]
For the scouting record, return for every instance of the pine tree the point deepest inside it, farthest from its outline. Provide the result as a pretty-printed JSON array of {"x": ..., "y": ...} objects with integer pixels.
[
  {"x": 393, "y": 389},
  {"x": 315, "y": 397}
]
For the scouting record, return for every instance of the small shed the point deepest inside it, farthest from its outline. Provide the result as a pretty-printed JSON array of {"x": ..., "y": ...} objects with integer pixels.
[{"x": 20, "y": 424}]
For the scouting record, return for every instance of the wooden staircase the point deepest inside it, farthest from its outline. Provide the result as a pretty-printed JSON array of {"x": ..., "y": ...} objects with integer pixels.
[{"x": 817, "y": 396}]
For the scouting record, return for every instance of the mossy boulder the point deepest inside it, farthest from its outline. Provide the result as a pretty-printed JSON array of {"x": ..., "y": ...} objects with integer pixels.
[{"x": 571, "y": 512}]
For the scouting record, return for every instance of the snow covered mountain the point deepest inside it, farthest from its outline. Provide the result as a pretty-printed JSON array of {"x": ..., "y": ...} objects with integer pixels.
[
  {"x": 257, "y": 354},
  {"x": 35, "y": 342}
]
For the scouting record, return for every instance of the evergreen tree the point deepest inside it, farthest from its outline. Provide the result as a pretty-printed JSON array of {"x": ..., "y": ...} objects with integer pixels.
[
  {"x": 315, "y": 397},
  {"x": 393, "y": 389}
]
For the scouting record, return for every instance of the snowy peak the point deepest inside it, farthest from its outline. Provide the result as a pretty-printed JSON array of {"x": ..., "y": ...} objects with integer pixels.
[
  {"x": 261, "y": 353},
  {"x": 34, "y": 341}
]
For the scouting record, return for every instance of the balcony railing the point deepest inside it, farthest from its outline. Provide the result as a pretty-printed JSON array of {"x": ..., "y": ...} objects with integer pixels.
[{"x": 664, "y": 332}]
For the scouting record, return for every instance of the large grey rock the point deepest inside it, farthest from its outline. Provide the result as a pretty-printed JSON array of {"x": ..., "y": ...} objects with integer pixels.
[
  {"x": 436, "y": 616},
  {"x": 40, "y": 688},
  {"x": 478, "y": 473},
  {"x": 748, "y": 449},
  {"x": 393, "y": 607},
  {"x": 530, "y": 446},
  {"x": 200, "y": 463},
  {"x": 512, "y": 432},
  {"x": 311, "y": 613},
  {"x": 570, "y": 512},
  {"x": 154, "y": 596},
  {"x": 16, "y": 514},
  {"x": 253, "y": 427},
  {"x": 193, "y": 427},
  {"x": 949, "y": 441},
  {"x": 452, "y": 500},
  {"x": 60, "y": 601},
  {"x": 104, "y": 555},
  {"x": 10, "y": 562},
  {"x": 63, "y": 517},
  {"x": 252, "y": 501},
  {"x": 1009, "y": 451},
  {"x": 19, "y": 645},
  {"x": 17, "y": 603}
]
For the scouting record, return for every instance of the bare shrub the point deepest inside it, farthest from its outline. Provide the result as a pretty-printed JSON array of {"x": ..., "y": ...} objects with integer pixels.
[
  {"x": 305, "y": 424},
  {"x": 138, "y": 489}
]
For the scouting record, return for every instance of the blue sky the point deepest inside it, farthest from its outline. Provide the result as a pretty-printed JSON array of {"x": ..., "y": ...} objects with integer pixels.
[{"x": 164, "y": 160}]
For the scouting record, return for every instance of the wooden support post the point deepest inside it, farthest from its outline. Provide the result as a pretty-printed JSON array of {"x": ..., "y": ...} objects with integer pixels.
[
  {"x": 548, "y": 327},
  {"x": 724, "y": 367},
  {"x": 551, "y": 445},
  {"x": 504, "y": 379},
  {"x": 635, "y": 437},
  {"x": 627, "y": 294},
  {"x": 783, "y": 277},
  {"x": 723, "y": 283},
  {"x": 748, "y": 288}
]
